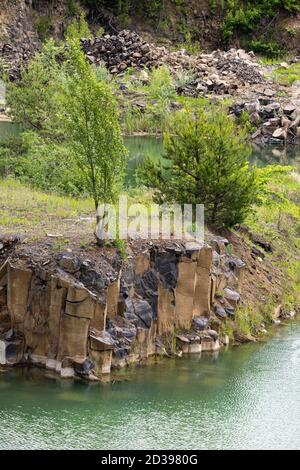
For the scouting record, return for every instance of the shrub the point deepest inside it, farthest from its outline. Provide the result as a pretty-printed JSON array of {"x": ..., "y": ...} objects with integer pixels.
[
  {"x": 244, "y": 16},
  {"x": 162, "y": 84},
  {"x": 270, "y": 49},
  {"x": 207, "y": 164}
]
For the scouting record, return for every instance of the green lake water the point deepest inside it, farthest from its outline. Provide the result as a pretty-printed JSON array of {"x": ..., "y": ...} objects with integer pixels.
[
  {"x": 246, "y": 397},
  {"x": 141, "y": 146}
]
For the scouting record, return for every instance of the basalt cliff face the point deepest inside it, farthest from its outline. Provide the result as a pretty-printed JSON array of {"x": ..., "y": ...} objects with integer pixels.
[{"x": 85, "y": 317}]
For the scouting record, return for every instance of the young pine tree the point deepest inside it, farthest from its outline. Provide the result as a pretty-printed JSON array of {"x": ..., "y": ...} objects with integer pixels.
[
  {"x": 207, "y": 163},
  {"x": 91, "y": 123}
]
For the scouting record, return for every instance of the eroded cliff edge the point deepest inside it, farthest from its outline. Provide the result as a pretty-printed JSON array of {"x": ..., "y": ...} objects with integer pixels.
[{"x": 87, "y": 313}]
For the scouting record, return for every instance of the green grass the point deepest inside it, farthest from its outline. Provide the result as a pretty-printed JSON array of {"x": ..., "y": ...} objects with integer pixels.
[
  {"x": 287, "y": 76},
  {"x": 277, "y": 219},
  {"x": 22, "y": 206}
]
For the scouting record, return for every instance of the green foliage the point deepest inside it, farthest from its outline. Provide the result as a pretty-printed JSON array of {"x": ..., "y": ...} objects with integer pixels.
[
  {"x": 121, "y": 247},
  {"x": 100, "y": 32},
  {"x": 122, "y": 8},
  {"x": 155, "y": 119},
  {"x": 287, "y": 76},
  {"x": 76, "y": 151},
  {"x": 9, "y": 153},
  {"x": 291, "y": 32},
  {"x": 79, "y": 29},
  {"x": 212, "y": 5},
  {"x": 162, "y": 84},
  {"x": 73, "y": 7},
  {"x": 184, "y": 78},
  {"x": 244, "y": 120},
  {"x": 90, "y": 121},
  {"x": 47, "y": 165},
  {"x": 207, "y": 164},
  {"x": 33, "y": 99},
  {"x": 43, "y": 27},
  {"x": 41, "y": 156},
  {"x": 270, "y": 49},
  {"x": 243, "y": 16},
  {"x": 247, "y": 320},
  {"x": 102, "y": 74},
  {"x": 276, "y": 217}
]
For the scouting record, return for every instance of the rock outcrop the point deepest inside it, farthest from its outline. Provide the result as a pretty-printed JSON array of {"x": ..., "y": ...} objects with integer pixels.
[{"x": 79, "y": 318}]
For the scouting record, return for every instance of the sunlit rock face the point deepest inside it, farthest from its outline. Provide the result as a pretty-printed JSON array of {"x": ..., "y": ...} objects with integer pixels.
[{"x": 88, "y": 318}]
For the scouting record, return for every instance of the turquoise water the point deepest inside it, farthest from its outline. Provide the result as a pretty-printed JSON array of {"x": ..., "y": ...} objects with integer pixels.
[
  {"x": 247, "y": 397},
  {"x": 140, "y": 147}
]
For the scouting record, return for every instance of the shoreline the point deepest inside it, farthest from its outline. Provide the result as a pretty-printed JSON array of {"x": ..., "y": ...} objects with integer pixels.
[
  {"x": 54, "y": 313},
  {"x": 125, "y": 374}
]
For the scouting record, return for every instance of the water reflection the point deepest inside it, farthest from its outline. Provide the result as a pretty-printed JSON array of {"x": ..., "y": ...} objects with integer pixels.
[
  {"x": 145, "y": 146},
  {"x": 248, "y": 397}
]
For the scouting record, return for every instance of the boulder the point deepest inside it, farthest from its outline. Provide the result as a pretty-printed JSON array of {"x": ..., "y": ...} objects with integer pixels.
[
  {"x": 220, "y": 312},
  {"x": 280, "y": 133},
  {"x": 200, "y": 323},
  {"x": 144, "y": 312},
  {"x": 288, "y": 109},
  {"x": 252, "y": 107},
  {"x": 69, "y": 263},
  {"x": 232, "y": 296}
]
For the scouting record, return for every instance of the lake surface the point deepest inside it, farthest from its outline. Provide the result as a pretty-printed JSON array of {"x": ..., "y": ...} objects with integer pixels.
[
  {"x": 247, "y": 397},
  {"x": 149, "y": 146},
  {"x": 146, "y": 146}
]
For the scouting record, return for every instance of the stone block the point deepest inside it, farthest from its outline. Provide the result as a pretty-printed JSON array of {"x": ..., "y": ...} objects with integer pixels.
[
  {"x": 184, "y": 293},
  {"x": 19, "y": 280},
  {"x": 166, "y": 317},
  {"x": 80, "y": 303}
]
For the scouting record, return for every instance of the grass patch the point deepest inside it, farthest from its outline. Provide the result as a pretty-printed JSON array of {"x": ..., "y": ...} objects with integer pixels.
[
  {"x": 22, "y": 206},
  {"x": 287, "y": 76},
  {"x": 277, "y": 220}
]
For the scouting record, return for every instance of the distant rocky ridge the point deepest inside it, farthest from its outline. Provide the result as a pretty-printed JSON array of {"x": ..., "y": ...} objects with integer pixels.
[
  {"x": 220, "y": 72},
  {"x": 234, "y": 73}
]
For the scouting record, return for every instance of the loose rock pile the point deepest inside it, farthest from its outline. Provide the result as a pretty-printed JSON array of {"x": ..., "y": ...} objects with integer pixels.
[
  {"x": 276, "y": 122},
  {"x": 218, "y": 72}
]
